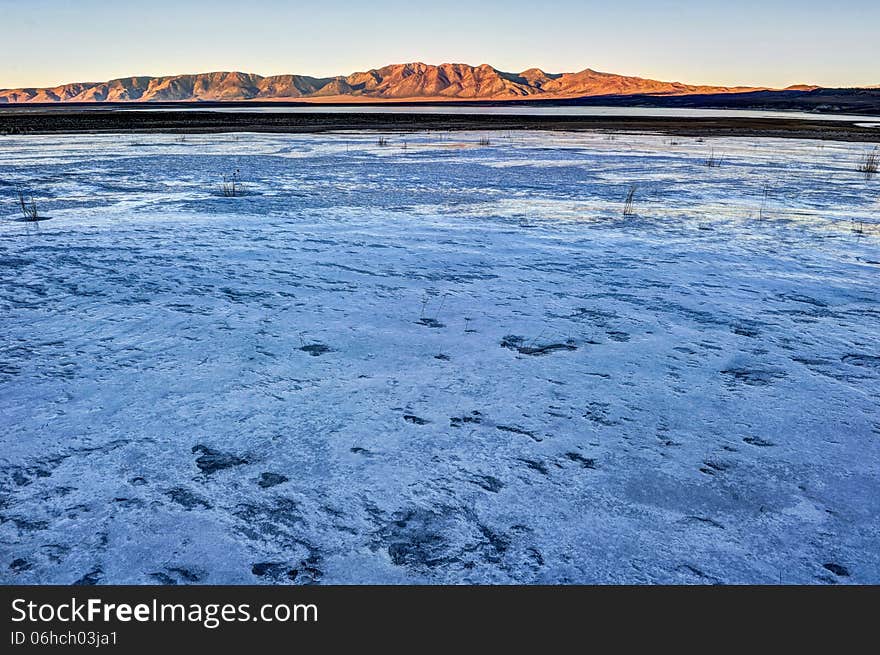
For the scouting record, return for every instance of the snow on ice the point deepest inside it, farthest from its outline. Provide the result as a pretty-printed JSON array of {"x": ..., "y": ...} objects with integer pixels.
[{"x": 445, "y": 363}]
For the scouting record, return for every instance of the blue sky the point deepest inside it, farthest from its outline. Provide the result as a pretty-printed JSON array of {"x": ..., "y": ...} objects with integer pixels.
[{"x": 767, "y": 42}]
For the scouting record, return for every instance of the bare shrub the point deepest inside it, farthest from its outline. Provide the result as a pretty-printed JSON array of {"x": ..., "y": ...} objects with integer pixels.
[
  {"x": 870, "y": 164},
  {"x": 28, "y": 207},
  {"x": 713, "y": 161},
  {"x": 628, "y": 203},
  {"x": 232, "y": 186},
  {"x": 765, "y": 195}
]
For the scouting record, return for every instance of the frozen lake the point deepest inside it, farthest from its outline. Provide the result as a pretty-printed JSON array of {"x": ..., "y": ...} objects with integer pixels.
[
  {"x": 449, "y": 362},
  {"x": 500, "y": 110}
]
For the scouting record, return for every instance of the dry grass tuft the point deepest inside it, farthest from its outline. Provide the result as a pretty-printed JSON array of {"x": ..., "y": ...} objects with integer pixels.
[
  {"x": 232, "y": 186},
  {"x": 713, "y": 161},
  {"x": 628, "y": 204},
  {"x": 870, "y": 164},
  {"x": 28, "y": 207}
]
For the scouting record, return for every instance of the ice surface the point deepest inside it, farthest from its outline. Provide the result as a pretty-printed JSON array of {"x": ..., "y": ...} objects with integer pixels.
[{"x": 443, "y": 363}]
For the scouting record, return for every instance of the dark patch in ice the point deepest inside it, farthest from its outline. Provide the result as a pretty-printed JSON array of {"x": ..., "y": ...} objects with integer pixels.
[
  {"x": 411, "y": 418},
  {"x": 597, "y": 317},
  {"x": 712, "y": 467},
  {"x": 243, "y": 296},
  {"x": 536, "y": 555},
  {"x": 516, "y": 430},
  {"x": 696, "y": 315},
  {"x": 357, "y": 450},
  {"x": 618, "y": 336},
  {"x": 11, "y": 261},
  {"x": 758, "y": 441},
  {"x": 837, "y": 569},
  {"x": 438, "y": 537},
  {"x": 496, "y": 544},
  {"x": 700, "y": 574},
  {"x": 754, "y": 377},
  {"x": 187, "y": 499},
  {"x": 332, "y": 511},
  {"x": 706, "y": 520},
  {"x": 280, "y": 518},
  {"x": 270, "y": 569},
  {"x": 308, "y": 571},
  {"x": 801, "y": 298},
  {"x": 458, "y": 421},
  {"x": 430, "y": 322},
  {"x": 210, "y": 461},
  {"x": 598, "y": 413},
  {"x": 91, "y": 578},
  {"x": 188, "y": 574},
  {"x": 811, "y": 361},
  {"x": 350, "y": 268},
  {"x": 129, "y": 502},
  {"x": 316, "y": 349},
  {"x": 25, "y": 525},
  {"x": 442, "y": 357},
  {"x": 860, "y": 359},
  {"x": 514, "y": 342},
  {"x": 416, "y": 539},
  {"x": 138, "y": 481},
  {"x": 18, "y": 565},
  {"x": 745, "y": 330},
  {"x": 75, "y": 510},
  {"x": 268, "y": 479},
  {"x": 535, "y": 465},
  {"x": 9, "y": 369},
  {"x": 55, "y": 552},
  {"x": 24, "y": 475},
  {"x": 585, "y": 462},
  {"x": 806, "y": 315},
  {"x": 163, "y": 578},
  {"x": 488, "y": 482}
]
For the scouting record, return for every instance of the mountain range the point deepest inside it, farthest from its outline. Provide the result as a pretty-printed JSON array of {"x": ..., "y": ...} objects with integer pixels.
[{"x": 397, "y": 82}]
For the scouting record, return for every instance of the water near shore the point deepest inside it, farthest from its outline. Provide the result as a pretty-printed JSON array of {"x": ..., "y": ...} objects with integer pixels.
[
  {"x": 523, "y": 110},
  {"x": 450, "y": 109}
]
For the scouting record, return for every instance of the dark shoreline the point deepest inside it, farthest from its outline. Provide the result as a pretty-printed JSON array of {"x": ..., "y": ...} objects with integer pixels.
[{"x": 72, "y": 121}]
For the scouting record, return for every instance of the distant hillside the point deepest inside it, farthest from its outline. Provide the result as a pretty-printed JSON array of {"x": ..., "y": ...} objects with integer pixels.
[{"x": 396, "y": 82}]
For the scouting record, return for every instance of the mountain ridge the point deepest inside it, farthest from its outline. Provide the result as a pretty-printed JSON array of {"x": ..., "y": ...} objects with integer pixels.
[{"x": 411, "y": 81}]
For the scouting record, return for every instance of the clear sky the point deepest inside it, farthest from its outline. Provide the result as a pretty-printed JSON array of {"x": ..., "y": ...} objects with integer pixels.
[{"x": 751, "y": 42}]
